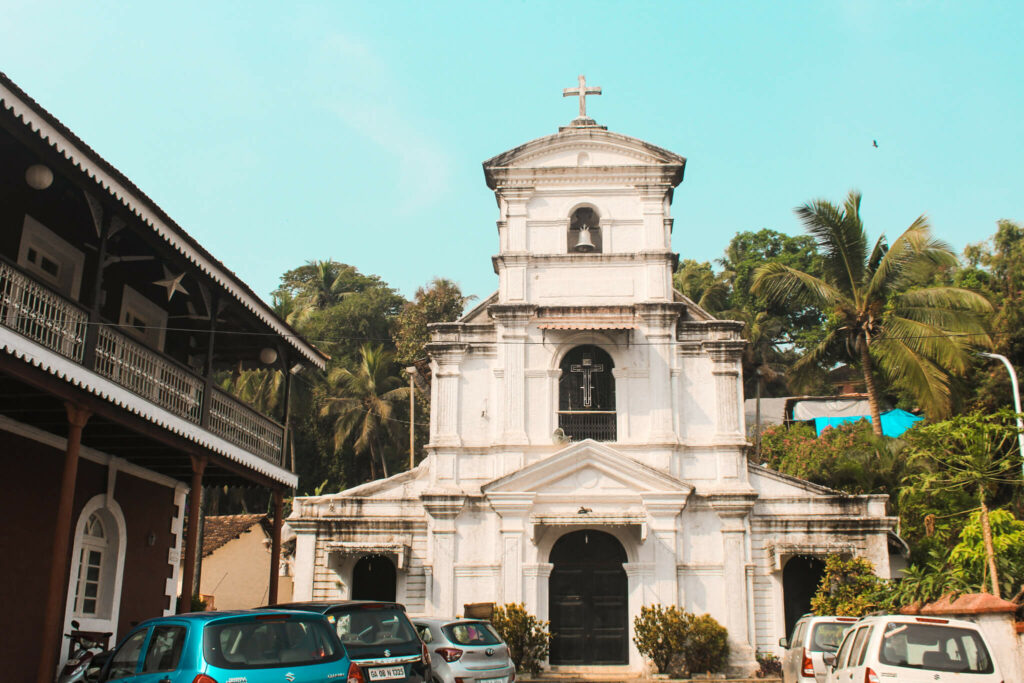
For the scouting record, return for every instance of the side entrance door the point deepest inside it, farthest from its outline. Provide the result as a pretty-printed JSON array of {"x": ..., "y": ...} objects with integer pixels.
[{"x": 587, "y": 600}]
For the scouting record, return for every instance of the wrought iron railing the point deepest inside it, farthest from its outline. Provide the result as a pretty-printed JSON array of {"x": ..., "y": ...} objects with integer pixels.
[
  {"x": 35, "y": 311},
  {"x": 40, "y": 314},
  {"x": 239, "y": 424},
  {"x": 598, "y": 425},
  {"x": 149, "y": 374}
]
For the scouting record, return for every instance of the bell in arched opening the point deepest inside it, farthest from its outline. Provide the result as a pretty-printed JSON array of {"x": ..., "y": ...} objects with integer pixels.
[{"x": 584, "y": 231}]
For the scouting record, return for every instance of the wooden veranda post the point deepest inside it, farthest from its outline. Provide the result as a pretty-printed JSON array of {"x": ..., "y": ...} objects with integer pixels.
[
  {"x": 195, "y": 496},
  {"x": 56, "y": 594},
  {"x": 275, "y": 547}
]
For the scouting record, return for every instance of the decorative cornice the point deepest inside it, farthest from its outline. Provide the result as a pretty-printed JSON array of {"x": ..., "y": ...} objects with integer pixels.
[
  {"x": 512, "y": 315},
  {"x": 443, "y": 505}
]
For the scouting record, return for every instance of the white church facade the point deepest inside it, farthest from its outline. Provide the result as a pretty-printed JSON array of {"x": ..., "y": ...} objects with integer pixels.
[{"x": 587, "y": 449}]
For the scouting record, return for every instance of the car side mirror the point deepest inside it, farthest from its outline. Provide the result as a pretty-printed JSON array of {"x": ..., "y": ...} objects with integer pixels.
[
  {"x": 94, "y": 672},
  {"x": 830, "y": 659},
  {"x": 784, "y": 642}
]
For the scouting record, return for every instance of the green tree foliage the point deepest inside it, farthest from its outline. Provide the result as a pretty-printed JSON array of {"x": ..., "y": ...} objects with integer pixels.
[
  {"x": 849, "y": 588},
  {"x": 879, "y": 315},
  {"x": 440, "y": 302},
  {"x": 699, "y": 282},
  {"x": 749, "y": 250},
  {"x": 1008, "y": 548},
  {"x": 678, "y": 642},
  {"x": 995, "y": 268},
  {"x": 975, "y": 454},
  {"x": 527, "y": 636},
  {"x": 849, "y": 457},
  {"x": 363, "y": 403}
]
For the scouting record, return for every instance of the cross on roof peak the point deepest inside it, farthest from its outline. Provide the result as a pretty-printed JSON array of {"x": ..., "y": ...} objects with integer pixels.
[{"x": 582, "y": 91}]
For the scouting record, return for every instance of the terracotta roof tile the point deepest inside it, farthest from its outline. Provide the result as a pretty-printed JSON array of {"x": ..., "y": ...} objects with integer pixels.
[
  {"x": 219, "y": 530},
  {"x": 971, "y": 603}
]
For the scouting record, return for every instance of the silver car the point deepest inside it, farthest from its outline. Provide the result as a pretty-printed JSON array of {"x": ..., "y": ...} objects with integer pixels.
[
  {"x": 804, "y": 656},
  {"x": 465, "y": 651}
]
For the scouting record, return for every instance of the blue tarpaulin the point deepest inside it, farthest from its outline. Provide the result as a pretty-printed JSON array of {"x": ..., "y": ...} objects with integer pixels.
[{"x": 894, "y": 422}]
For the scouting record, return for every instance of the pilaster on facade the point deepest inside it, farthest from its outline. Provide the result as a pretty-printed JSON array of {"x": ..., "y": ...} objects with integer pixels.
[
  {"x": 511, "y": 321},
  {"x": 727, "y": 371},
  {"x": 733, "y": 509},
  {"x": 447, "y": 351}
]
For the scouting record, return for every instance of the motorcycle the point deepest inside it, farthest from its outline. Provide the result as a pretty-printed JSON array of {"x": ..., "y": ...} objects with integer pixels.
[{"x": 85, "y": 646}]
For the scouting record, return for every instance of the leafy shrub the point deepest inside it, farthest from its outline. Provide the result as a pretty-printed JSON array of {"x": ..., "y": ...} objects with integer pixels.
[
  {"x": 661, "y": 635},
  {"x": 849, "y": 588},
  {"x": 707, "y": 647},
  {"x": 527, "y": 636},
  {"x": 770, "y": 665},
  {"x": 677, "y": 641}
]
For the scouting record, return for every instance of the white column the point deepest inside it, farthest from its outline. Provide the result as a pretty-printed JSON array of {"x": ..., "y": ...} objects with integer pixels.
[
  {"x": 305, "y": 564},
  {"x": 663, "y": 512},
  {"x": 513, "y": 508},
  {"x": 732, "y": 510},
  {"x": 511, "y": 326},
  {"x": 443, "y": 509},
  {"x": 447, "y": 355},
  {"x": 535, "y": 584},
  {"x": 659, "y": 326},
  {"x": 638, "y": 578},
  {"x": 727, "y": 372}
]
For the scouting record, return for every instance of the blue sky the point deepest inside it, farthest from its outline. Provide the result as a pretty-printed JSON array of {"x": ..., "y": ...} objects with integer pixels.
[{"x": 277, "y": 133}]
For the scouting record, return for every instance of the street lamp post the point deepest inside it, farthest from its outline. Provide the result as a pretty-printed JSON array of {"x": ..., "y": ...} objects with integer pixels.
[{"x": 1016, "y": 399}]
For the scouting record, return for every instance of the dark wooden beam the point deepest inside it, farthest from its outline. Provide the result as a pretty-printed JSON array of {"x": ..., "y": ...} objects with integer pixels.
[
  {"x": 56, "y": 595},
  {"x": 275, "y": 547},
  {"x": 195, "y": 496}
]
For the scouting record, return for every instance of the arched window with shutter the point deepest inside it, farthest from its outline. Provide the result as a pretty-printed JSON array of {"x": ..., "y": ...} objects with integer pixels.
[{"x": 586, "y": 395}]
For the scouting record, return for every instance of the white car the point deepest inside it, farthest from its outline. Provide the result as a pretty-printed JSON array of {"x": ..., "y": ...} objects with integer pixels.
[
  {"x": 813, "y": 637},
  {"x": 910, "y": 649}
]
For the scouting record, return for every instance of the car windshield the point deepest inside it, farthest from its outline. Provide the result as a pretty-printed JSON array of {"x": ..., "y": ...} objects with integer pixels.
[
  {"x": 366, "y": 631},
  {"x": 935, "y": 648},
  {"x": 269, "y": 642},
  {"x": 826, "y": 636},
  {"x": 471, "y": 633}
]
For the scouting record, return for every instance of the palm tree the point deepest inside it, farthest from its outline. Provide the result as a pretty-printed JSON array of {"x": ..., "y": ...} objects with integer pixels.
[
  {"x": 880, "y": 315},
  {"x": 698, "y": 282},
  {"x": 363, "y": 404}
]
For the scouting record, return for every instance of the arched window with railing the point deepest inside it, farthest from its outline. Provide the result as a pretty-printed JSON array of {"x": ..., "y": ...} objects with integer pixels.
[
  {"x": 586, "y": 395},
  {"x": 585, "y": 232}
]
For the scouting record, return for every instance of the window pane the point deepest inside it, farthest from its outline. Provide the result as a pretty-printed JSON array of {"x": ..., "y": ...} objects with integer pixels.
[
  {"x": 164, "y": 650},
  {"x": 126, "y": 659},
  {"x": 89, "y": 606},
  {"x": 252, "y": 644}
]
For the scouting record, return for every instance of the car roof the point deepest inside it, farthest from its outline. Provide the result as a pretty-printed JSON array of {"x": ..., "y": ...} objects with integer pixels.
[
  {"x": 325, "y": 605},
  {"x": 439, "y": 621},
  {"x": 922, "y": 619},
  {"x": 213, "y": 616}
]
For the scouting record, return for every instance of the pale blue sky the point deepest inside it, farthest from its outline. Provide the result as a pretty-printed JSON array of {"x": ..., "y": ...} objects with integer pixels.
[{"x": 282, "y": 132}]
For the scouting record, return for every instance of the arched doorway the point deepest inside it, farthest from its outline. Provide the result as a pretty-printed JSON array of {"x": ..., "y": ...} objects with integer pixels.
[
  {"x": 374, "y": 578},
  {"x": 587, "y": 600},
  {"x": 800, "y": 579}
]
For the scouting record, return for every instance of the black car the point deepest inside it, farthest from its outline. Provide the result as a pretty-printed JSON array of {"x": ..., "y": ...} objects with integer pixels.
[{"x": 379, "y": 638}]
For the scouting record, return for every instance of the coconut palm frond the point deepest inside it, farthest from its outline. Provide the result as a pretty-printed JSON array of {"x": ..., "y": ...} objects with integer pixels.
[
  {"x": 841, "y": 239},
  {"x": 930, "y": 342},
  {"x": 928, "y": 382},
  {"x": 780, "y": 283},
  {"x": 955, "y": 298}
]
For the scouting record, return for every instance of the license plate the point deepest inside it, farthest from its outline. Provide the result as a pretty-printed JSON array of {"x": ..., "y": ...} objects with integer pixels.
[
  {"x": 386, "y": 673},
  {"x": 492, "y": 680}
]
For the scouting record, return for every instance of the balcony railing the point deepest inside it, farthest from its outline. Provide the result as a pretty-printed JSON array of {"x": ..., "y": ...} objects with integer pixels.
[
  {"x": 149, "y": 374},
  {"x": 33, "y": 310},
  {"x": 239, "y": 424},
  {"x": 598, "y": 425},
  {"x": 43, "y": 316}
]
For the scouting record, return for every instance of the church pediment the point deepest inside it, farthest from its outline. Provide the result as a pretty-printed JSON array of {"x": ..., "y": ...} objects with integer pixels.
[
  {"x": 584, "y": 149},
  {"x": 587, "y": 466}
]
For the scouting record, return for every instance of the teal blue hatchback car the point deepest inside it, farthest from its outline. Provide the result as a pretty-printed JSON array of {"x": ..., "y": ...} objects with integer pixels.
[{"x": 232, "y": 647}]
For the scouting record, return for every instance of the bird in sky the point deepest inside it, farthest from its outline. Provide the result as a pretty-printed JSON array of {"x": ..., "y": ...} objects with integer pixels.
[{"x": 875, "y": 143}]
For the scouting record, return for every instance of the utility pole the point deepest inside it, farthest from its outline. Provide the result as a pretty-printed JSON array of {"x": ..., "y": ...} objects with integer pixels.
[
  {"x": 1016, "y": 399},
  {"x": 412, "y": 415}
]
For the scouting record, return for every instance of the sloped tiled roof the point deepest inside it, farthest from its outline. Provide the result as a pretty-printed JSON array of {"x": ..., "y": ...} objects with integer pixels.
[{"x": 221, "y": 529}]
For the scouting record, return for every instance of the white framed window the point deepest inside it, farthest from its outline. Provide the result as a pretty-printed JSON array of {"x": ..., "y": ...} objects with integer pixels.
[
  {"x": 143, "y": 319},
  {"x": 97, "y": 567},
  {"x": 50, "y": 258},
  {"x": 90, "y": 567}
]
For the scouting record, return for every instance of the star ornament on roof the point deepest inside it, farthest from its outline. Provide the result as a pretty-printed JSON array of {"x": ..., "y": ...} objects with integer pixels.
[{"x": 172, "y": 283}]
